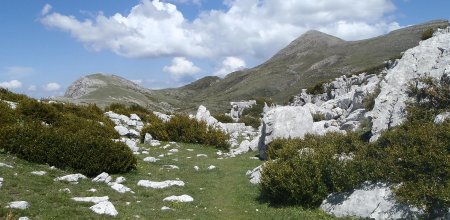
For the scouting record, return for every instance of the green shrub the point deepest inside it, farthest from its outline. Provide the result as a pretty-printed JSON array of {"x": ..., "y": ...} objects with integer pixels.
[
  {"x": 10, "y": 96},
  {"x": 223, "y": 118},
  {"x": 306, "y": 171},
  {"x": 318, "y": 117},
  {"x": 34, "y": 110},
  {"x": 369, "y": 99},
  {"x": 181, "y": 128},
  {"x": 80, "y": 151},
  {"x": 7, "y": 115},
  {"x": 317, "y": 89},
  {"x": 255, "y": 122},
  {"x": 427, "y": 34}
]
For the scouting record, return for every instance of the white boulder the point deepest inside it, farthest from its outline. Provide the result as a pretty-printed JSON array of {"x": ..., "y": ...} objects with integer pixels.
[
  {"x": 150, "y": 159},
  {"x": 18, "y": 205},
  {"x": 93, "y": 199},
  {"x": 120, "y": 188},
  {"x": 160, "y": 185},
  {"x": 102, "y": 178},
  {"x": 284, "y": 122},
  {"x": 135, "y": 117},
  {"x": 148, "y": 138},
  {"x": 121, "y": 130},
  {"x": 182, "y": 198},
  {"x": 374, "y": 201},
  {"x": 439, "y": 119},
  {"x": 255, "y": 175},
  {"x": 104, "y": 208},
  {"x": 73, "y": 178}
]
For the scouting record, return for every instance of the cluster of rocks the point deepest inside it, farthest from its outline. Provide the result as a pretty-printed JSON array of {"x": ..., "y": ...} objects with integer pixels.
[
  {"x": 238, "y": 107},
  {"x": 235, "y": 130},
  {"x": 342, "y": 108},
  {"x": 127, "y": 127}
]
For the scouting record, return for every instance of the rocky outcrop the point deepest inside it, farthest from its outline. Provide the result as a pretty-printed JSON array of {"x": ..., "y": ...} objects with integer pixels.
[
  {"x": 374, "y": 201},
  {"x": 284, "y": 122},
  {"x": 431, "y": 58},
  {"x": 238, "y": 107}
]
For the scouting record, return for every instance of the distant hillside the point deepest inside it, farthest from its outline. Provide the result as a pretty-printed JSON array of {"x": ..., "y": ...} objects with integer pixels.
[{"x": 312, "y": 58}]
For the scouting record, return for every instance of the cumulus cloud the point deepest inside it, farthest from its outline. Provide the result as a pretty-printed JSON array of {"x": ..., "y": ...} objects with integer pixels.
[
  {"x": 229, "y": 65},
  {"x": 13, "y": 84},
  {"x": 19, "y": 71},
  {"x": 248, "y": 28},
  {"x": 32, "y": 88},
  {"x": 46, "y": 9},
  {"x": 52, "y": 87},
  {"x": 181, "y": 67}
]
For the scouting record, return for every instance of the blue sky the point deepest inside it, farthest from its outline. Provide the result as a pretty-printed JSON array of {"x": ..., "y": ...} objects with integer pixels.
[{"x": 46, "y": 45}]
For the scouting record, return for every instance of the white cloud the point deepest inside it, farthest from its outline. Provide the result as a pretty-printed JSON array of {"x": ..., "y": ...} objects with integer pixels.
[
  {"x": 181, "y": 67},
  {"x": 52, "y": 87},
  {"x": 229, "y": 65},
  {"x": 248, "y": 28},
  {"x": 13, "y": 84},
  {"x": 46, "y": 9},
  {"x": 19, "y": 71},
  {"x": 32, "y": 88},
  {"x": 195, "y": 2}
]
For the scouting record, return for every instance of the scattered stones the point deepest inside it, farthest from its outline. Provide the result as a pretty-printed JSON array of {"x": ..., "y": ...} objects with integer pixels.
[
  {"x": 150, "y": 159},
  {"x": 104, "y": 208},
  {"x": 39, "y": 173},
  {"x": 211, "y": 167},
  {"x": 160, "y": 185},
  {"x": 92, "y": 190},
  {"x": 5, "y": 165},
  {"x": 196, "y": 168},
  {"x": 18, "y": 205},
  {"x": 155, "y": 143},
  {"x": 102, "y": 178},
  {"x": 72, "y": 178},
  {"x": 145, "y": 152},
  {"x": 182, "y": 198}
]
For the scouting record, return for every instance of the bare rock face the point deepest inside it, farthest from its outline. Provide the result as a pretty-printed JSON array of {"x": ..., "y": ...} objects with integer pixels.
[
  {"x": 284, "y": 122},
  {"x": 83, "y": 87},
  {"x": 431, "y": 58}
]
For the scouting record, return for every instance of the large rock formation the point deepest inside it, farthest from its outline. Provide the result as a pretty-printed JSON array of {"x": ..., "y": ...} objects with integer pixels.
[
  {"x": 284, "y": 122},
  {"x": 238, "y": 107},
  {"x": 431, "y": 58}
]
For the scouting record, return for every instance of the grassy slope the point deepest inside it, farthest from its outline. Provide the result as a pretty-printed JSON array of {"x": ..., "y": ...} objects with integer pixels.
[{"x": 226, "y": 192}]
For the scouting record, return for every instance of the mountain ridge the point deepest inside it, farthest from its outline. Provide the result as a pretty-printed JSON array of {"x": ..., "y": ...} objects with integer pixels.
[{"x": 312, "y": 58}]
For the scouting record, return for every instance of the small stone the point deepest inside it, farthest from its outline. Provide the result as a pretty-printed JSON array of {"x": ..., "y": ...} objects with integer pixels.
[
  {"x": 65, "y": 190},
  {"x": 38, "y": 173},
  {"x": 120, "y": 188},
  {"x": 151, "y": 159},
  {"x": 120, "y": 179},
  {"x": 202, "y": 155},
  {"x": 18, "y": 205},
  {"x": 182, "y": 198},
  {"x": 102, "y": 178},
  {"x": 91, "y": 199},
  {"x": 211, "y": 167},
  {"x": 160, "y": 185},
  {"x": 104, "y": 208},
  {"x": 5, "y": 165},
  {"x": 196, "y": 168},
  {"x": 165, "y": 208},
  {"x": 71, "y": 178},
  {"x": 92, "y": 190}
]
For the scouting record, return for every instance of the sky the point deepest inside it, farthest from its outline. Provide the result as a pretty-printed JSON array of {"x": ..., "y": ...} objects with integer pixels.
[{"x": 45, "y": 45}]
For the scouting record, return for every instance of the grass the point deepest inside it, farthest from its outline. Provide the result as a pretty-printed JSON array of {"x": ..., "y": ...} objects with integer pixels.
[{"x": 223, "y": 193}]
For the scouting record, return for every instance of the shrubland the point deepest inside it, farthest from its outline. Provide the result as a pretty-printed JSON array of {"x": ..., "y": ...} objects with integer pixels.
[
  {"x": 414, "y": 158},
  {"x": 66, "y": 136}
]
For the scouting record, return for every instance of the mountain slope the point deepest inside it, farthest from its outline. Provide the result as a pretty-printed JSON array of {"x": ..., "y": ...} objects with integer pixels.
[{"x": 312, "y": 58}]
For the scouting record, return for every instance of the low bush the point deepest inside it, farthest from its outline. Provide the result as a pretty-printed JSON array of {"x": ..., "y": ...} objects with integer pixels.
[
  {"x": 38, "y": 111},
  {"x": 223, "y": 118},
  {"x": 318, "y": 117},
  {"x": 181, "y": 128},
  {"x": 7, "y": 115},
  {"x": 7, "y": 95},
  {"x": 414, "y": 157},
  {"x": 427, "y": 34},
  {"x": 369, "y": 99},
  {"x": 255, "y": 122},
  {"x": 317, "y": 89},
  {"x": 80, "y": 151}
]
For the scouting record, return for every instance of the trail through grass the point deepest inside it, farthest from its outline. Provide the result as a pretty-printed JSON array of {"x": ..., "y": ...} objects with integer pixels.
[{"x": 221, "y": 193}]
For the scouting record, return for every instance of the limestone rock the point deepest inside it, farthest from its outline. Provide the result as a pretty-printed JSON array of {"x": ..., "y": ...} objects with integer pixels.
[
  {"x": 150, "y": 159},
  {"x": 182, "y": 198},
  {"x": 71, "y": 178},
  {"x": 102, "y": 178},
  {"x": 39, "y": 173},
  {"x": 374, "y": 201},
  {"x": 423, "y": 60},
  {"x": 121, "y": 130},
  {"x": 439, "y": 119},
  {"x": 18, "y": 205},
  {"x": 148, "y": 138},
  {"x": 255, "y": 175},
  {"x": 104, "y": 208},
  {"x": 284, "y": 122},
  {"x": 160, "y": 185},
  {"x": 91, "y": 199},
  {"x": 120, "y": 188}
]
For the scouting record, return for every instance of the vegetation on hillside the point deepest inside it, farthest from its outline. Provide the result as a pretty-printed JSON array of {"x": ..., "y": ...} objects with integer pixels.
[
  {"x": 252, "y": 116},
  {"x": 181, "y": 128},
  {"x": 414, "y": 157},
  {"x": 67, "y": 136}
]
